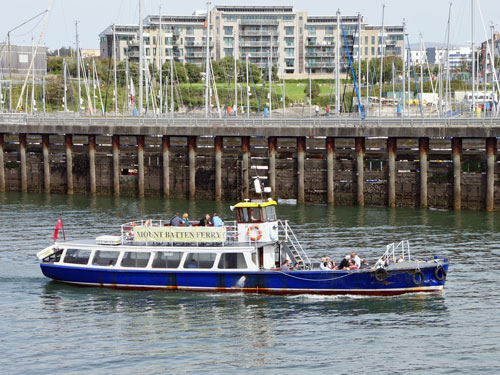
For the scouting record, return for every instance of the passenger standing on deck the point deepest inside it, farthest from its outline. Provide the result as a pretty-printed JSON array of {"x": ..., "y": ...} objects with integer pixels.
[
  {"x": 185, "y": 218},
  {"x": 217, "y": 221},
  {"x": 206, "y": 221},
  {"x": 176, "y": 221}
]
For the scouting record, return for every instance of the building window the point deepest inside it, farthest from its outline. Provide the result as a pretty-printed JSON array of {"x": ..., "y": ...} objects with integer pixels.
[
  {"x": 366, "y": 40},
  {"x": 190, "y": 41},
  {"x": 228, "y": 30},
  {"x": 146, "y": 40},
  {"x": 366, "y": 51},
  {"x": 373, "y": 39},
  {"x": 289, "y": 30},
  {"x": 289, "y": 42},
  {"x": 329, "y": 41},
  {"x": 289, "y": 52},
  {"x": 228, "y": 42},
  {"x": 147, "y": 52},
  {"x": 154, "y": 40},
  {"x": 329, "y": 30},
  {"x": 228, "y": 51},
  {"x": 289, "y": 63},
  {"x": 189, "y": 30},
  {"x": 311, "y": 30},
  {"x": 373, "y": 50}
]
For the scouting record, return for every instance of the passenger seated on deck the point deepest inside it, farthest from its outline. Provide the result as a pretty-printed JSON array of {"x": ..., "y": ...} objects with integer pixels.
[
  {"x": 206, "y": 221},
  {"x": 356, "y": 259},
  {"x": 388, "y": 261},
  {"x": 192, "y": 264},
  {"x": 364, "y": 264},
  {"x": 323, "y": 266},
  {"x": 352, "y": 265},
  {"x": 185, "y": 218},
  {"x": 344, "y": 264},
  {"x": 296, "y": 267},
  {"x": 217, "y": 221},
  {"x": 176, "y": 221},
  {"x": 285, "y": 267},
  {"x": 401, "y": 259}
]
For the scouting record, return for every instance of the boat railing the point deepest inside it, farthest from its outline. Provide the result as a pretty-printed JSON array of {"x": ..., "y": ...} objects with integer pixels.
[
  {"x": 401, "y": 249},
  {"x": 127, "y": 233},
  {"x": 294, "y": 244}
]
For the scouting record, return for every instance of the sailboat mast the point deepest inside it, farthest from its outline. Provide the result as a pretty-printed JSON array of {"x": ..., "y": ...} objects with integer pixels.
[
  {"x": 337, "y": 67},
  {"x": 65, "y": 86},
  {"x": 404, "y": 67},
  {"x": 207, "y": 62},
  {"x": 473, "y": 59},
  {"x": 271, "y": 76},
  {"x": 78, "y": 68},
  {"x": 359, "y": 56},
  {"x": 114, "y": 69},
  {"x": 141, "y": 58},
  {"x": 235, "y": 88},
  {"x": 381, "y": 63},
  {"x": 248, "y": 89},
  {"x": 161, "y": 63}
]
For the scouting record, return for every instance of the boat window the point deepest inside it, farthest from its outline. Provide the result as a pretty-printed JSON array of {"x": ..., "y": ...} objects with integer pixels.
[
  {"x": 254, "y": 257},
  {"x": 271, "y": 213},
  {"x": 249, "y": 215},
  {"x": 105, "y": 258},
  {"x": 165, "y": 259},
  {"x": 199, "y": 260},
  {"x": 232, "y": 260},
  {"x": 77, "y": 256},
  {"x": 135, "y": 259}
]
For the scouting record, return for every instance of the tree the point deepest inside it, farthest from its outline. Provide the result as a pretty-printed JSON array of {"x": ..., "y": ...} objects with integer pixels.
[{"x": 315, "y": 90}]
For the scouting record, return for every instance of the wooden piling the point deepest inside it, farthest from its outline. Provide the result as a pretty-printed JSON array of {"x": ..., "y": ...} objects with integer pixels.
[
  {"x": 92, "y": 175},
  {"x": 192, "y": 166},
  {"x": 116, "y": 165},
  {"x": 360, "y": 173},
  {"x": 392, "y": 145},
  {"x": 301, "y": 154},
  {"x": 165, "y": 148},
  {"x": 24, "y": 168},
  {"x": 272, "y": 145},
  {"x": 456, "y": 150},
  {"x": 423, "y": 146},
  {"x": 245, "y": 166},
  {"x": 68, "y": 143},
  {"x": 46, "y": 162},
  {"x": 491, "y": 161},
  {"x": 140, "y": 164},
  {"x": 2, "y": 164},
  {"x": 218, "y": 145},
  {"x": 330, "y": 170}
]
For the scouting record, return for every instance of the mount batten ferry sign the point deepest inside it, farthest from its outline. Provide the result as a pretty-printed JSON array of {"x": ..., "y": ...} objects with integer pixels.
[{"x": 179, "y": 234}]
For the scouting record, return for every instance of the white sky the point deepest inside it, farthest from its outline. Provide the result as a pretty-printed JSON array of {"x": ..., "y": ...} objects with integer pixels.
[{"x": 428, "y": 17}]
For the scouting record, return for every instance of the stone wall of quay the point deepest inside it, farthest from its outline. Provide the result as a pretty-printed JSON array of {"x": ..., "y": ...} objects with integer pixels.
[{"x": 330, "y": 170}]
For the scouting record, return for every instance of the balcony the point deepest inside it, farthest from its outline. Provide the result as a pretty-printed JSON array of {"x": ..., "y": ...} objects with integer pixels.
[
  {"x": 259, "y": 22},
  {"x": 320, "y": 54},
  {"x": 262, "y": 43},
  {"x": 244, "y": 32},
  {"x": 263, "y": 54},
  {"x": 312, "y": 65}
]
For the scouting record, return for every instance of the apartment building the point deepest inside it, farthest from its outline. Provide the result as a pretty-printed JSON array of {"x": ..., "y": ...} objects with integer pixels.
[{"x": 293, "y": 41}]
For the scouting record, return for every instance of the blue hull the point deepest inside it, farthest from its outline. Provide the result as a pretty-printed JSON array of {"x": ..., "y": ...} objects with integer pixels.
[{"x": 275, "y": 282}]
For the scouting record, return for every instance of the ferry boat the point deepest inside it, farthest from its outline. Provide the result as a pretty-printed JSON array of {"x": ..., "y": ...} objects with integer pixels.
[{"x": 240, "y": 256}]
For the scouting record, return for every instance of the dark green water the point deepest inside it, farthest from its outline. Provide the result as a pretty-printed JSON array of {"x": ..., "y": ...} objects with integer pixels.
[{"x": 48, "y": 327}]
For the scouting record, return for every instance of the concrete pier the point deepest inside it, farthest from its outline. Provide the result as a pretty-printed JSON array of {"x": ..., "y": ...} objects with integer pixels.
[
  {"x": 24, "y": 168},
  {"x": 330, "y": 167},
  {"x": 245, "y": 166},
  {"x": 165, "y": 152},
  {"x": 360, "y": 170},
  {"x": 116, "y": 165},
  {"x": 301, "y": 155},
  {"x": 46, "y": 162},
  {"x": 392, "y": 145},
  {"x": 456, "y": 151},
  {"x": 192, "y": 167},
  {"x": 68, "y": 143},
  {"x": 140, "y": 165},
  {"x": 92, "y": 175},
  {"x": 2, "y": 164},
  {"x": 491, "y": 156},
  {"x": 218, "y": 145},
  {"x": 272, "y": 147},
  {"x": 423, "y": 146}
]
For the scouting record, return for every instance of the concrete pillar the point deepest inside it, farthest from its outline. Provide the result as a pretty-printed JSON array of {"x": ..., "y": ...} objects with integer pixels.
[
  {"x": 93, "y": 184},
  {"x": 392, "y": 145},
  {"x": 165, "y": 147},
  {"x": 272, "y": 144},
  {"x": 245, "y": 166},
  {"x": 46, "y": 162},
  {"x": 218, "y": 144},
  {"x": 360, "y": 173},
  {"x": 2, "y": 164},
  {"x": 301, "y": 155},
  {"x": 116, "y": 165},
  {"x": 423, "y": 146},
  {"x": 140, "y": 164},
  {"x": 24, "y": 168},
  {"x": 456, "y": 150},
  {"x": 68, "y": 142},
  {"x": 330, "y": 165},
  {"x": 192, "y": 166},
  {"x": 491, "y": 161}
]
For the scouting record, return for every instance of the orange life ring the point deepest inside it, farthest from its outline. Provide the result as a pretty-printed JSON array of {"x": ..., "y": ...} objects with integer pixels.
[
  {"x": 133, "y": 224},
  {"x": 252, "y": 228}
]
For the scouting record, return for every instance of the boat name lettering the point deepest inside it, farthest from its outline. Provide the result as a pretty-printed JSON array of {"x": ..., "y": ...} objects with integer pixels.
[{"x": 179, "y": 234}]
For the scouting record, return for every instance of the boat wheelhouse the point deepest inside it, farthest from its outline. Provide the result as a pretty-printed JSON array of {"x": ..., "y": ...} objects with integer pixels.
[{"x": 242, "y": 255}]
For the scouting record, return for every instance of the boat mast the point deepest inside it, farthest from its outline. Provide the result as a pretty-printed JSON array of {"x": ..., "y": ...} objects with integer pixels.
[
  {"x": 337, "y": 66},
  {"x": 235, "y": 87},
  {"x": 359, "y": 57},
  {"x": 141, "y": 58},
  {"x": 32, "y": 80},
  {"x": 65, "y": 69},
  {"x": 161, "y": 64},
  {"x": 270, "y": 76},
  {"x": 448, "y": 84},
  {"x": 248, "y": 88},
  {"x": 492, "y": 54},
  {"x": 404, "y": 67},
  {"x": 381, "y": 63},
  {"x": 421, "y": 68},
  {"x": 114, "y": 69},
  {"x": 172, "y": 107},
  {"x": 207, "y": 62},
  {"x": 78, "y": 68},
  {"x": 473, "y": 59}
]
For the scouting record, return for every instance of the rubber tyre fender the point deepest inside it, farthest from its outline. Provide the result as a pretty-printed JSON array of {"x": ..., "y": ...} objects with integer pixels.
[
  {"x": 440, "y": 273},
  {"x": 418, "y": 278},
  {"x": 381, "y": 274}
]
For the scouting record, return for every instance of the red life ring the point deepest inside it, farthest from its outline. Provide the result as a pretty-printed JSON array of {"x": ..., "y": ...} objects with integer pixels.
[{"x": 254, "y": 228}]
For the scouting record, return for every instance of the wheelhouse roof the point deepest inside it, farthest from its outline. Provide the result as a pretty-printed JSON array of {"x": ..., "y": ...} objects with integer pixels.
[{"x": 255, "y": 204}]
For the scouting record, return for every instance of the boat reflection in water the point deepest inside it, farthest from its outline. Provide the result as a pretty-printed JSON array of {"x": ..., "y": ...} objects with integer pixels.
[{"x": 256, "y": 253}]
